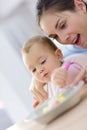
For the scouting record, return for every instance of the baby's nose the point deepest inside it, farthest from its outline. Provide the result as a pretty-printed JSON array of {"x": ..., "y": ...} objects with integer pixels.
[{"x": 40, "y": 69}]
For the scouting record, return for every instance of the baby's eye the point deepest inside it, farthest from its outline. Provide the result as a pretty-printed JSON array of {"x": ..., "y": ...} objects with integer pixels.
[
  {"x": 43, "y": 61},
  {"x": 34, "y": 70}
]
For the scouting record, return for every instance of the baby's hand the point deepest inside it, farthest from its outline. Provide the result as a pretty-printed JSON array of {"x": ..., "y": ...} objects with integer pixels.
[
  {"x": 37, "y": 88},
  {"x": 35, "y": 103},
  {"x": 59, "y": 77}
]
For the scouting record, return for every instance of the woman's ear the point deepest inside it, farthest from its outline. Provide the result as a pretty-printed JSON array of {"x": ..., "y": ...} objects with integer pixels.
[
  {"x": 79, "y": 4},
  {"x": 59, "y": 54}
]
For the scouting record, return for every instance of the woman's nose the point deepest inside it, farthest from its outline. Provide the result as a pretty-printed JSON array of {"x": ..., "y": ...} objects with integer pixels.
[{"x": 64, "y": 38}]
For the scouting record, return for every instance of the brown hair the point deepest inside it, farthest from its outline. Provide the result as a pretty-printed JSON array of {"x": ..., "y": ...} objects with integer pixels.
[
  {"x": 53, "y": 5},
  {"x": 38, "y": 40}
]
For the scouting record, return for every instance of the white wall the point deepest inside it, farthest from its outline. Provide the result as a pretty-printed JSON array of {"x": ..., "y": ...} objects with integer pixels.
[
  {"x": 15, "y": 28},
  {"x": 15, "y": 82}
]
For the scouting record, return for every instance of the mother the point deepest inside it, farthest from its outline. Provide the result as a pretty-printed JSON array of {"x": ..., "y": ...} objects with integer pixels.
[{"x": 65, "y": 21}]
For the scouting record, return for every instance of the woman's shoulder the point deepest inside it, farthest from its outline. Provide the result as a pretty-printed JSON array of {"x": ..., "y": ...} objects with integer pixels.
[
  {"x": 72, "y": 49},
  {"x": 76, "y": 56}
]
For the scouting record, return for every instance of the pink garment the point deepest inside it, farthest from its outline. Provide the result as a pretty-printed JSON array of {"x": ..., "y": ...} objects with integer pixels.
[{"x": 73, "y": 69}]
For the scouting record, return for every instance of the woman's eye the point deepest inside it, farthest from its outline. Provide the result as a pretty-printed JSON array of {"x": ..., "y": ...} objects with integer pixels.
[
  {"x": 62, "y": 26},
  {"x": 43, "y": 61},
  {"x": 34, "y": 70},
  {"x": 55, "y": 37}
]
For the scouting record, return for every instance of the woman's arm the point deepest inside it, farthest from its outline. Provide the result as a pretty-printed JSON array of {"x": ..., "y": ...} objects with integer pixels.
[{"x": 82, "y": 75}]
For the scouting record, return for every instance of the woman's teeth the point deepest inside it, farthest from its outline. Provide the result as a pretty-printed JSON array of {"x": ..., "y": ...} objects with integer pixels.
[{"x": 77, "y": 40}]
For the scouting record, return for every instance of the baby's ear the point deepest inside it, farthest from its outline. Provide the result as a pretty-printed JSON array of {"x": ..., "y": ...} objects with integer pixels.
[{"x": 58, "y": 53}]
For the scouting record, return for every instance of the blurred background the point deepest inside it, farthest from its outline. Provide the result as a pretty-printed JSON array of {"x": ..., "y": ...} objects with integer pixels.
[{"x": 17, "y": 24}]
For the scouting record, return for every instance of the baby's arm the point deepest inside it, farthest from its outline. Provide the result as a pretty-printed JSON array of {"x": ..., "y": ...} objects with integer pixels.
[{"x": 37, "y": 88}]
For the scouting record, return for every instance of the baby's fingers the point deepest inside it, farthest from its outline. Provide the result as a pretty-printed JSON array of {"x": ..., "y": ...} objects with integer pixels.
[
  {"x": 35, "y": 103},
  {"x": 41, "y": 95}
]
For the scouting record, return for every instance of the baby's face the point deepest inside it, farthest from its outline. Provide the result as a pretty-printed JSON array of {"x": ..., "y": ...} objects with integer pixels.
[{"x": 41, "y": 62}]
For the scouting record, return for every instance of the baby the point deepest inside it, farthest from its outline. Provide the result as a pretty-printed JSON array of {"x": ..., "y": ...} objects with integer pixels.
[{"x": 46, "y": 64}]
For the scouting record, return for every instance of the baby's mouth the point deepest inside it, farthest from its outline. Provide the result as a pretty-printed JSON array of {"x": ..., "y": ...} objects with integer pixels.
[{"x": 45, "y": 75}]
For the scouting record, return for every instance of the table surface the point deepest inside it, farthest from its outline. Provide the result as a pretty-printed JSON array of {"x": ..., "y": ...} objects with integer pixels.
[{"x": 74, "y": 119}]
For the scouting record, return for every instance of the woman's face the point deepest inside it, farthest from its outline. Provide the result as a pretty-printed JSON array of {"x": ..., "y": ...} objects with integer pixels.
[{"x": 67, "y": 27}]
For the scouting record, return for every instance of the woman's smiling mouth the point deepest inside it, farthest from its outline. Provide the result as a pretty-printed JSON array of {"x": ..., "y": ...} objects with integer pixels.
[{"x": 77, "y": 41}]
